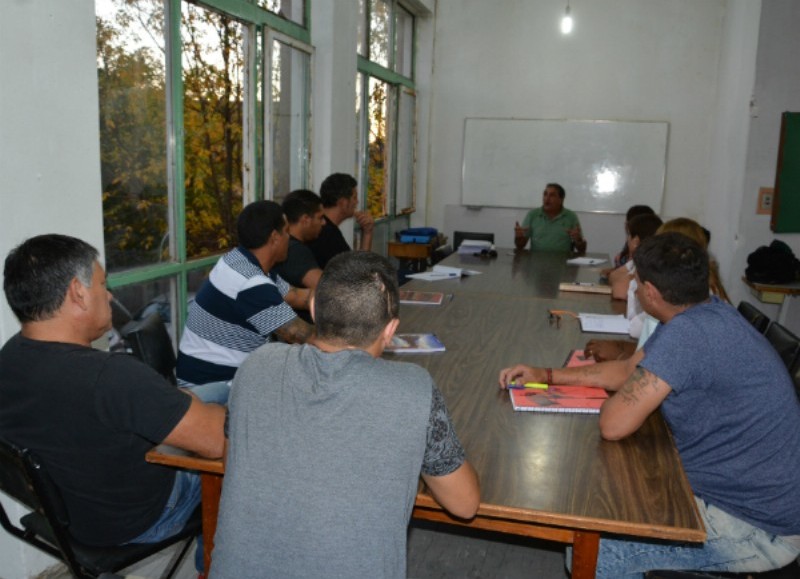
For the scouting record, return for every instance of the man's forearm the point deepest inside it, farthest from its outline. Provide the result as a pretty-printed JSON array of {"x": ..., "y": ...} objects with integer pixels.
[
  {"x": 295, "y": 332},
  {"x": 366, "y": 241}
]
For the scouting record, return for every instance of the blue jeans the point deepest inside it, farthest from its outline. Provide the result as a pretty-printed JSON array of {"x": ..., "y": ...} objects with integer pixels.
[
  {"x": 182, "y": 501},
  {"x": 214, "y": 392},
  {"x": 732, "y": 545}
]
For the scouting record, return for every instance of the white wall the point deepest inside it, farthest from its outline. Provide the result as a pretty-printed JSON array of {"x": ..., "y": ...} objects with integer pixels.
[
  {"x": 777, "y": 89},
  {"x": 626, "y": 60},
  {"x": 49, "y": 154}
]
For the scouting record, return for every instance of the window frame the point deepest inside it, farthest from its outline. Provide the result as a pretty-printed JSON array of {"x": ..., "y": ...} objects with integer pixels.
[
  {"x": 397, "y": 82},
  {"x": 256, "y": 22}
]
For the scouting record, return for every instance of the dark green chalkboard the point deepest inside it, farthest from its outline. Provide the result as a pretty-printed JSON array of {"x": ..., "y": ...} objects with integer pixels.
[{"x": 786, "y": 204}]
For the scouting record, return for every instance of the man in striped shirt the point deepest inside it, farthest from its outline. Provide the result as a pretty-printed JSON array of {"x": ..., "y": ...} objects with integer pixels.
[{"x": 242, "y": 305}]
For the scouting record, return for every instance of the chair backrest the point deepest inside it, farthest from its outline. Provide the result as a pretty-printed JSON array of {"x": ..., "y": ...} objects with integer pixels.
[
  {"x": 23, "y": 477},
  {"x": 440, "y": 253},
  {"x": 752, "y": 314},
  {"x": 785, "y": 342},
  {"x": 459, "y": 236},
  {"x": 150, "y": 342}
]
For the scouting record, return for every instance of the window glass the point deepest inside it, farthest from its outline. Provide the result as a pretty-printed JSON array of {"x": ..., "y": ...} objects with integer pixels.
[
  {"x": 213, "y": 82},
  {"x": 406, "y": 151},
  {"x": 361, "y": 29},
  {"x": 380, "y": 32},
  {"x": 133, "y": 156},
  {"x": 293, "y": 10},
  {"x": 139, "y": 300},
  {"x": 404, "y": 44},
  {"x": 289, "y": 118},
  {"x": 378, "y": 148},
  {"x": 360, "y": 80}
]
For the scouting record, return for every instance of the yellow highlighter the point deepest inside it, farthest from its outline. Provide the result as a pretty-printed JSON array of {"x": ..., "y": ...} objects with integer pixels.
[{"x": 536, "y": 385}]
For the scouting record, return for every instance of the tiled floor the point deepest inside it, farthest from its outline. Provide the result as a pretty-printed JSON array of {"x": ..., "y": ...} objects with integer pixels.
[{"x": 435, "y": 554}]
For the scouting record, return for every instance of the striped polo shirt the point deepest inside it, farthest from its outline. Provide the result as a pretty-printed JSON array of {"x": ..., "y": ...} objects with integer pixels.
[{"x": 236, "y": 310}]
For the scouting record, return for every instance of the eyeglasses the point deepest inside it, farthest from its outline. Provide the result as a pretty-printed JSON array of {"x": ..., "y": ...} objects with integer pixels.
[{"x": 486, "y": 253}]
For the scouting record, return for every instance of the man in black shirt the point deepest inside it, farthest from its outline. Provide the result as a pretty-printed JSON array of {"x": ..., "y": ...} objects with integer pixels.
[
  {"x": 339, "y": 202},
  {"x": 89, "y": 415}
]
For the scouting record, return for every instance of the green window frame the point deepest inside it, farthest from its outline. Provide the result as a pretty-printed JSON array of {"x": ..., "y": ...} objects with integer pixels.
[
  {"x": 386, "y": 115},
  {"x": 175, "y": 272}
]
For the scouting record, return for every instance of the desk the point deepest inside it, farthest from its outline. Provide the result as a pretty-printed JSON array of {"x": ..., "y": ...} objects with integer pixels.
[
  {"x": 542, "y": 475},
  {"x": 211, "y": 471},
  {"x": 775, "y": 294}
]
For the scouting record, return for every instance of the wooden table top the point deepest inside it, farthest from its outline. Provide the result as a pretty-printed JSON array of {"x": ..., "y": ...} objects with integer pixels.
[
  {"x": 547, "y": 468},
  {"x": 551, "y": 469},
  {"x": 515, "y": 274}
]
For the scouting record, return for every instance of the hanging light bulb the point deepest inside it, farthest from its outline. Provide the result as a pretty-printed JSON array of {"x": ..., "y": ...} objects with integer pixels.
[{"x": 566, "y": 21}]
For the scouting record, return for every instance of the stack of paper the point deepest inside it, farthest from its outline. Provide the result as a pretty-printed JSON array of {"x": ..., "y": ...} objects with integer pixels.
[
  {"x": 605, "y": 324},
  {"x": 470, "y": 246},
  {"x": 440, "y": 272},
  {"x": 585, "y": 261}
]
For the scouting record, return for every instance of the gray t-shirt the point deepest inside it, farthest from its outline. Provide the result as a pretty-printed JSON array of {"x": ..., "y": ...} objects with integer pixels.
[{"x": 324, "y": 456}]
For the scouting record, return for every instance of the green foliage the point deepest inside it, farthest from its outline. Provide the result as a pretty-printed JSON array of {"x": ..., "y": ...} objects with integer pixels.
[
  {"x": 377, "y": 165},
  {"x": 133, "y": 132}
]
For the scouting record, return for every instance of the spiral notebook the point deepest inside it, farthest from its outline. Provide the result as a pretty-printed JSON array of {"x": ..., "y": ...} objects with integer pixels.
[{"x": 564, "y": 399}]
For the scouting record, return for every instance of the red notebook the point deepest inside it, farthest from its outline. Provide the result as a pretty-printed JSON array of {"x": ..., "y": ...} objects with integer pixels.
[{"x": 569, "y": 399}]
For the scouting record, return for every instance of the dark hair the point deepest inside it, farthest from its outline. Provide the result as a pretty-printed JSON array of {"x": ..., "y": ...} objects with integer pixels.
[
  {"x": 256, "y": 223},
  {"x": 635, "y": 210},
  {"x": 676, "y": 265},
  {"x": 300, "y": 202},
  {"x": 38, "y": 272},
  {"x": 644, "y": 226},
  {"x": 356, "y": 297},
  {"x": 557, "y": 187},
  {"x": 335, "y": 187}
]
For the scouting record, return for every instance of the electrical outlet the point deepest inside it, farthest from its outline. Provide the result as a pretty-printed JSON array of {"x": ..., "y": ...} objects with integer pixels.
[{"x": 764, "y": 201}]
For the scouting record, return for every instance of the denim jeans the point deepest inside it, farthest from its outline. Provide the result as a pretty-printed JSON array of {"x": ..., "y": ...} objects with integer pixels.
[
  {"x": 180, "y": 505},
  {"x": 732, "y": 545},
  {"x": 214, "y": 392}
]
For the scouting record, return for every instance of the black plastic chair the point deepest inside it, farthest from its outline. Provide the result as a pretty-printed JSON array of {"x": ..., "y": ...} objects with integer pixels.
[
  {"x": 150, "y": 342},
  {"x": 23, "y": 477},
  {"x": 459, "y": 236},
  {"x": 752, "y": 314},
  {"x": 785, "y": 342}
]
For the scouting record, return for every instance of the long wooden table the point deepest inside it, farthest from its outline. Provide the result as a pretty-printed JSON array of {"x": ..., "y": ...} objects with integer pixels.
[{"x": 548, "y": 476}]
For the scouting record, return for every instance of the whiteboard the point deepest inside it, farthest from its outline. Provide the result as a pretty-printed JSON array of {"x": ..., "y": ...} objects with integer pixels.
[{"x": 605, "y": 166}]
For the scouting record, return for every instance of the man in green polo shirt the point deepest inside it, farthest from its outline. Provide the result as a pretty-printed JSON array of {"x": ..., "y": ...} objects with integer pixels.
[{"x": 551, "y": 227}]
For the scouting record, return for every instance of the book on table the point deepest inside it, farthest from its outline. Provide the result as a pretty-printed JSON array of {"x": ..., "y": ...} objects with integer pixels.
[
  {"x": 421, "y": 298},
  {"x": 414, "y": 344},
  {"x": 563, "y": 399},
  {"x": 585, "y": 287}
]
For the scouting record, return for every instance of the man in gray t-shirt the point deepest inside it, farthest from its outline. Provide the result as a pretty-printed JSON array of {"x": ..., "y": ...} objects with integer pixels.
[{"x": 327, "y": 442}]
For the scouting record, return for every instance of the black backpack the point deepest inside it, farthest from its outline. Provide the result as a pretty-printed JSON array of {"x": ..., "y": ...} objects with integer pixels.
[{"x": 773, "y": 264}]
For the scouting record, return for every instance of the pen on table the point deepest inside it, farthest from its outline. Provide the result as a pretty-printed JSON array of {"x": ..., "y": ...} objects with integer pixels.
[
  {"x": 531, "y": 385},
  {"x": 584, "y": 283},
  {"x": 443, "y": 275}
]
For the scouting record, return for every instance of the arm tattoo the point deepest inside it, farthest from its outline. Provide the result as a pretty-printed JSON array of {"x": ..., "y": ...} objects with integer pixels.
[
  {"x": 640, "y": 381},
  {"x": 295, "y": 332}
]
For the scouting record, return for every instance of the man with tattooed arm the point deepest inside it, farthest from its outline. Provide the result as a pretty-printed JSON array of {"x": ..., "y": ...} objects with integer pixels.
[{"x": 732, "y": 410}]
